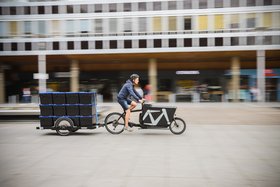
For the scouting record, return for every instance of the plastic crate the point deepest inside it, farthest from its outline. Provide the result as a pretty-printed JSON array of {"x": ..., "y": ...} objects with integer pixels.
[
  {"x": 86, "y": 121},
  {"x": 72, "y": 97},
  {"x": 46, "y": 110},
  {"x": 59, "y": 110},
  {"x": 46, "y": 121},
  {"x": 46, "y": 98},
  {"x": 87, "y": 109},
  {"x": 76, "y": 120},
  {"x": 72, "y": 110},
  {"x": 59, "y": 98},
  {"x": 87, "y": 98}
]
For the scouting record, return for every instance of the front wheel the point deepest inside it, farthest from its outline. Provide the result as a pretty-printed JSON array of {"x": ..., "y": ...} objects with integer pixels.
[
  {"x": 114, "y": 123},
  {"x": 178, "y": 126}
]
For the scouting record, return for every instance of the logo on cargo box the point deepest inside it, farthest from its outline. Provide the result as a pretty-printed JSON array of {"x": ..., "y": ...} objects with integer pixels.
[{"x": 155, "y": 121}]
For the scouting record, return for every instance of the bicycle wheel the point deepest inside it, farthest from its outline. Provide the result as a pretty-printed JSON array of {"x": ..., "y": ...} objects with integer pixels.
[
  {"x": 64, "y": 126},
  {"x": 114, "y": 123},
  {"x": 178, "y": 126}
]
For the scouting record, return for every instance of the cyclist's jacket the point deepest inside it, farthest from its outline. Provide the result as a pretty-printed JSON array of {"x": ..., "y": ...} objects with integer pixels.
[{"x": 127, "y": 90}]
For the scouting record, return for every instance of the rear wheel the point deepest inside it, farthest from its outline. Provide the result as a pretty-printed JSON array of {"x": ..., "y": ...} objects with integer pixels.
[
  {"x": 178, "y": 126},
  {"x": 64, "y": 126},
  {"x": 114, "y": 123}
]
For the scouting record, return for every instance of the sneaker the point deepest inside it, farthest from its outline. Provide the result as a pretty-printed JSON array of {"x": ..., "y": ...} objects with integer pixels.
[{"x": 129, "y": 129}]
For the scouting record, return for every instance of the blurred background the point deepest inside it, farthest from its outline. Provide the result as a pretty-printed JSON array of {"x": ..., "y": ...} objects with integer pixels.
[{"x": 184, "y": 50}]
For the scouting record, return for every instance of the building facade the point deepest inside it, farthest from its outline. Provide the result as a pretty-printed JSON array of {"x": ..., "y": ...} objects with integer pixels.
[{"x": 177, "y": 46}]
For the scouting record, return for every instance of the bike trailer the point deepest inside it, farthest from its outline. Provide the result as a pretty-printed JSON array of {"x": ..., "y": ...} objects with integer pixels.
[{"x": 154, "y": 115}]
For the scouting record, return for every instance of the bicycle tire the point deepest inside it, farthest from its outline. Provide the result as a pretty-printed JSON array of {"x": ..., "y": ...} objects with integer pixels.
[
  {"x": 175, "y": 124},
  {"x": 112, "y": 121}
]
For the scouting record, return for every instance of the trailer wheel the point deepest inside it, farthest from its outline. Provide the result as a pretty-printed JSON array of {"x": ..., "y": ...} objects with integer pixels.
[
  {"x": 64, "y": 126},
  {"x": 178, "y": 126}
]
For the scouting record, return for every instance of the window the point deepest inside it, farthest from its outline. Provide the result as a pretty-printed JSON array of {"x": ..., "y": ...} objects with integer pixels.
[
  {"x": 113, "y": 25},
  {"x": 70, "y": 45},
  {"x": 187, "y": 4},
  {"x": 5, "y": 10},
  {"x": 98, "y": 45},
  {"x": 27, "y": 46},
  {"x": 142, "y": 24},
  {"x": 83, "y": 8},
  {"x": 13, "y": 11},
  {"x": 14, "y": 46},
  {"x": 142, "y": 6},
  {"x": 41, "y": 10},
  {"x": 127, "y": 44},
  {"x": 98, "y": 26},
  {"x": 157, "y": 5},
  {"x": 187, "y": 23},
  {"x": 1, "y": 47},
  {"x": 203, "y": 42},
  {"x": 127, "y": 7},
  {"x": 55, "y": 27},
  {"x": 13, "y": 28},
  {"x": 251, "y": 40},
  {"x": 142, "y": 44},
  {"x": 69, "y": 9},
  {"x": 27, "y": 27},
  {"x": 55, "y": 9},
  {"x": 27, "y": 10},
  {"x": 202, "y": 4},
  {"x": 84, "y": 26},
  {"x": 157, "y": 43},
  {"x": 127, "y": 25},
  {"x": 113, "y": 7},
  {"x": 41, "y": 27},
  {"x": 41, "y": 45},
  {"x": 172, "y": 42},
  {"x": 113, "y": 44},
  {"x": 98, "y": 8},
  {"x": 157, "y": 24},
  {"x": 267, "y": 40},
  {"x": 218, "y": 41},
  {"x": 234, "y": 3},
  {"x": 219, "y": 22},
  {"x": 84, "y": 44},
  {"x": 55, "y": 45},
  {"x": 251, "y": 21},
  {"x": 234, "y": 21},
  {"x": 172, "y": 23},
  {"x": 234, "y": 41},
  {"x": 267, "y": 2},
  {"x": 251, "y": 2},
  {"x": 187, "y": 42},
  {"x": 203, "y": 22},
  {"x": 70, "y": 27},
  {"x": 172, "y": 5},
  {"x": 1, "y": 14},
  {"x": 267, "y": 19},
  {"x": 218, "y": 3}
]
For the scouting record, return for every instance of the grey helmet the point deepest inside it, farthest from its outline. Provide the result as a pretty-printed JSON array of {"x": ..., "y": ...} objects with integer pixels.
[{"x": 134, "y": 76}]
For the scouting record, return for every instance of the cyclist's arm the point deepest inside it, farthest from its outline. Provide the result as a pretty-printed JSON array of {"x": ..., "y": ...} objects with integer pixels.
[{"x": 131, "y": 92}]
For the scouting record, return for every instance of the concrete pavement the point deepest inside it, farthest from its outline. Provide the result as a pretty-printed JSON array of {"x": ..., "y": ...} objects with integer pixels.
[{"x": 224, "y": 145}]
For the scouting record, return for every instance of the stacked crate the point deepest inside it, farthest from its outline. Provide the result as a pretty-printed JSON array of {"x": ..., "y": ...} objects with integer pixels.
[{"x": 80, "y": 107}]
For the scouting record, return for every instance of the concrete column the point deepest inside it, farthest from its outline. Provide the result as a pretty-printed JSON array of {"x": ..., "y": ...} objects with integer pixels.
[
  {"x": 261, "y": 75},
  {"x": 235, "y": 71},
  {"x": 42, "y": 73},
  {"x": 2, "y": 85},
  {"x": 153, "y": 78},
  {"x": 74, "y": 76}
]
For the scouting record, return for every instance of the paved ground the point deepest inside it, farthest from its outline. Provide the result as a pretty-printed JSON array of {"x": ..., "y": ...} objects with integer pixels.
[{"x": 224, "y": 145}]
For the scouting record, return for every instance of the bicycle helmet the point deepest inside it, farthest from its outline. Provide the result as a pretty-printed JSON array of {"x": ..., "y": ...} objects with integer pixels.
[{"x": 134, "y": 76}]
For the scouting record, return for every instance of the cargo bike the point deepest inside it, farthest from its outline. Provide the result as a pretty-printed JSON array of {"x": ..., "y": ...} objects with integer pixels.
[
  {"x": 67, "y": 112},
  {"x": 150, "y": 117}
]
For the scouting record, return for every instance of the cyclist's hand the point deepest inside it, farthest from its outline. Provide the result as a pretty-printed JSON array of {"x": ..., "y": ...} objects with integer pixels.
[{"x": 142, "y": 101}]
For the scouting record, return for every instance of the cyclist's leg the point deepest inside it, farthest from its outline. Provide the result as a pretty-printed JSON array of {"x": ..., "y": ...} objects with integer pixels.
[{"x": 124, "y": 104}]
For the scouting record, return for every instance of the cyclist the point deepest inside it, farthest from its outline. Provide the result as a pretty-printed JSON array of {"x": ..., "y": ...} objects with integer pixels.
[{"x": 124, "y": 100}]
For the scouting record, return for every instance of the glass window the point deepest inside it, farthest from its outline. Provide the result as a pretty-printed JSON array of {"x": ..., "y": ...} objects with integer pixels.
[
  {"x": 157, "y": 43},
  {"x": 14, "y": 46},
  {"x": 234, "y": 41},
  {"x": 84, "y": 26},
  {"x": 251, "y": 2},
  {"x": 41, "y": 27},
  {"x": 142, "y": 44},
  {"x": 157, "y": 5},
  {"x": 219, "y": 22},
  {"x": 98, "y": 8},
  {"x": 127, "y": 7},
  {"x": 41, "y": 9},
  {"x": 98, "y": 26},
  {"x": 234, "y": 3},
  {"x": 84, "y": 44},
  {"x": 113, "y": 25},
  {"x": 267, "y": 20},
  {"x": 267, "y": 40},
  {"x": 172, "y": 5},
  {"x": 142, "y": 6},
  {"x": 55, "y": 9},
  {"x": 251, "y": 40},
  {"x": 187, "y": 42},
  {"x": 27, "y": 46},
  {"x": 113, "y": 44},
  {"x": 202, "y": 42},
  {"x": 218, "y": 41},
  {"x": 172, "y": 43},
  {"x": 27, "y": 27},
  {"x": 5, "y": 10},
  {"x": 3, "y": 32},
  {"x": 1, "y": 12},
  {"x": 70, "y": 45},
  {"x": 13, "y": 11},
  {"x": 187, "y": 4},
  {"x": 172, "y": 23},
  {"x": 55, "y": 27},
  {"x": 203, "y": 22},
  {"x": 13, "y": 28},
  {"x": 27, "y": 10},
  {"x": 142, "y": 24},
  {"x": 251, "y": 20},
  {"x": 267, "y": 2},
  {"x": 83, "y": 8},
  {"x": 187, "y": 23},
  {"x": 113, "y": 7},
  {"x": 70, "y": 9},
  {"x": 127, "y": 25},
  {"x": 70, "y": 26},
  {"x": 157, "y": 24},
  {"x": 127, "y": 44},
  {"x": 234, "y": 21},
  {"x": 218, "y": 3},
  {"x": 98, "y": 44},
  {"x": 202, "y": 4},
  {"x": 55, "y": 45}
]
